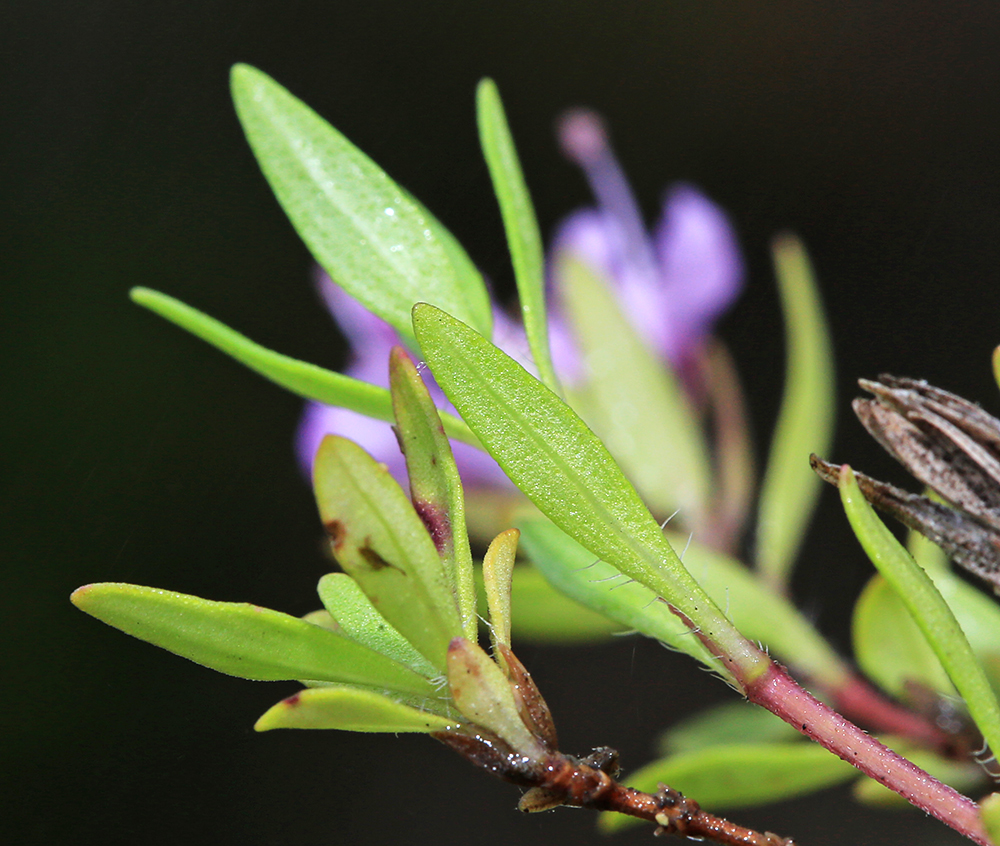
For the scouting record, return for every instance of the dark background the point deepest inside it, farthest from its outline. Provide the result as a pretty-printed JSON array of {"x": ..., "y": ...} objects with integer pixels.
[{"x": 136, "y": 453}]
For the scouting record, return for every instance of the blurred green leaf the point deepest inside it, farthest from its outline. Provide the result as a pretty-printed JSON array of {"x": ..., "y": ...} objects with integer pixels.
[
  {"x": 435, "y": 487},
  {"x": 755, "y": 610},
  {"x": 380, "y": 246},
  {"x": 243, "y": 640},
  {"x": 350, "y": 709},
  {"x": 550, "y": 454},
  {"x": 739, "y": 776},
  {"x": 380, "y": 541},
  {"x": 990, "y": 806},
  {"x": 724, "y": 725},
  {"x": 926, "y": 553},
  {"x": 306, "y": 380},
  {"x": 523, "y": 238},
  {"x": 355, "y": 617},
  {"x": 541, "y": 614},
  {"x": 889, "y": 646},
  {"x": 805, "y": 423},
  {"x": 634, "y": 403},
  {"x": 927, "y": 606}
]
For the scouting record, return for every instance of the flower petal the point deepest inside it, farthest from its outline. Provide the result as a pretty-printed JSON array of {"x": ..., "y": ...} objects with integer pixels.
[{"x": 701, "y": 267}]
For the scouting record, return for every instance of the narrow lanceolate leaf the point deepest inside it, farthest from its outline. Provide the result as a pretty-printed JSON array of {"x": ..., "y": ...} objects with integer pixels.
[
  {"x": 498, "y": 572},
  {"x": 523, "y": 237},
  {"x": 740, "y": 776},
  {"x": 306, "y": 380},
  {"x": 805, "y": 422},
  {"x": 634, "y": 403},
  {"x": 759, "y": 613},
  {"x": 380, "y": 541},
  {"x": 374, "y": 240},
  {"x": 435, "y": 487},
  {"x": 350, "y": 709},
  {"x": 355, "y": 617},
  {"x": 927, "y": 606},
  {"x": 243, "y": 640},
  {"x": 560, "y": 464}
]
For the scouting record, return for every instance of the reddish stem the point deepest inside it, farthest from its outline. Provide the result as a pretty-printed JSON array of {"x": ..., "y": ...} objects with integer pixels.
[
  {"x": 857, "y": 700},
  {"x": 779, "y": 693}
]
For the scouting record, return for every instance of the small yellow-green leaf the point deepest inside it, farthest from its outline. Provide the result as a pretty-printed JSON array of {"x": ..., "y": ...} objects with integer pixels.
[
  {"x": 480, "y": 690},
  {"x": 381, "y": 542},
  {"x": 435, "y": 486},
  {"x": 350, "y": 709},
  {"x": 634, "y": 403},
  {"x": 561, "y": 466},
  {"x": 739, "y": 776},
  {"x": 243, "y": 640},
  {"x": 354, "y": 615},
  {"x": 523, "y": 238},
  {"x": 498, "y": 572},
  {"x": 383, "y": 248},
  {"x": 805, "y": 423},
  {"x": 299, "y": 377},
  {"x": 927, "y": 607}
]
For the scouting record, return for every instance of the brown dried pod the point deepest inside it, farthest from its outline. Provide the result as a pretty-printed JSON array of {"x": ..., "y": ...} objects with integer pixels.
[{"x": 953, "y": 447}]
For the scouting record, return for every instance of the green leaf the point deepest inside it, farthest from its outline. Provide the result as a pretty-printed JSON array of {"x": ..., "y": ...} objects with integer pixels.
[
  {"x": 380, "y": 541},
  {"x": 435, "y": 486},
  {"x": 540, "y": 614},
  {"x": 243, "y": 640},
  {"x": 889, "y": 646},
  {"x": 550, "y": 454},
  {"x": 739, "y": 776},
  {"x": 523, "y": 238},
  {"x": 926, "y": 553},
  {"x": 383, "y": 248},
  {"x": 724, "y": 725},
  {"x": 356, "y": 618},
  {"x": 350, "y": 709},
  {"x": 634, "y": 403},
  {"x": 805, "y": 423},
  {"x": 498, "y": 572},
  {"x": 301, "y": 378},
  {"x": 927, "y": 606},
  {"x": 758, "y": 613},
  {"x": 571, "y": 569}
]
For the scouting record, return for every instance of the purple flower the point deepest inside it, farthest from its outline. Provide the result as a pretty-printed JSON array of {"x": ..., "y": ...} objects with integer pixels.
[{"x": 673, "y": 284}]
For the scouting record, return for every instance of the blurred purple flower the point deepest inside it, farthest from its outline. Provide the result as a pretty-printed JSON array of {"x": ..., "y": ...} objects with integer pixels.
[
  {"x": 673, "y": 286},
  {"x": 371, "y": 339}
]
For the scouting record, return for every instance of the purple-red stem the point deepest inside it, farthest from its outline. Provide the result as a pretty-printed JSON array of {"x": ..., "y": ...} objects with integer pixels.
[{"x": 780, "y": 694}]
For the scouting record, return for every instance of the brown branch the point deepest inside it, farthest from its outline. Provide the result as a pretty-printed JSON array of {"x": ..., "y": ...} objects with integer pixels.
[{"x": 558, "y": 779}]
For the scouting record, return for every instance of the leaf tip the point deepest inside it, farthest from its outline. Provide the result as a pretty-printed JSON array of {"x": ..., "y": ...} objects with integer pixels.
[{"x": 80, "y": 595}]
